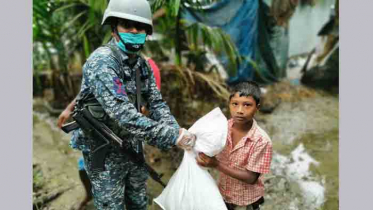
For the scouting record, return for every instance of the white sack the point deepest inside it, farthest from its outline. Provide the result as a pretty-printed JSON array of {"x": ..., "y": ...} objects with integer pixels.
[{"x": 191, "y": 187}]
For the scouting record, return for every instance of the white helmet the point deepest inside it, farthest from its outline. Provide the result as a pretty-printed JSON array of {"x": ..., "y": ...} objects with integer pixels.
[{"x": 135, "y": 10}]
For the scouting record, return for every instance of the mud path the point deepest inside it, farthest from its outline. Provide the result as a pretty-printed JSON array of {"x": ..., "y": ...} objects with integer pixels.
[{"x": 58, "y": 163}]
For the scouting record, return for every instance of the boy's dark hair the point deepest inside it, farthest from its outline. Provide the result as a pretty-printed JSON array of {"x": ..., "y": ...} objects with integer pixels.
[{"x": 247, "y": 88}]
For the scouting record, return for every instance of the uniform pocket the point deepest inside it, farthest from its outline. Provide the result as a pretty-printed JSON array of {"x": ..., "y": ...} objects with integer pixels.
[{"x": 97, "y": 112}]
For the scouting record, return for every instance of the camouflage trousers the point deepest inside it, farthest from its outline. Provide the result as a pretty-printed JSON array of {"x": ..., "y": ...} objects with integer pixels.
[{"x": 121, "y": 186}]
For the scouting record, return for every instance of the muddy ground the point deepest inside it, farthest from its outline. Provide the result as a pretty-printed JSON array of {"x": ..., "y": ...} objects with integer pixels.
[{"x": 304, "y": 131}]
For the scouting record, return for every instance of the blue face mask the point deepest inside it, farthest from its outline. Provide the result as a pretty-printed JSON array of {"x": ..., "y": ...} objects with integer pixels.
[{"x": 133, "y": 43}]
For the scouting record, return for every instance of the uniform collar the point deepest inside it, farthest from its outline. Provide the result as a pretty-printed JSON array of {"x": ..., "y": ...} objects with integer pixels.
[{"x": 123, "y": 55}]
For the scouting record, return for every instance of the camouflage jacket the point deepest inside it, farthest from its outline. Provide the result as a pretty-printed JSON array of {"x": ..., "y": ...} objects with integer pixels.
[{"x": 113, "y": 83}]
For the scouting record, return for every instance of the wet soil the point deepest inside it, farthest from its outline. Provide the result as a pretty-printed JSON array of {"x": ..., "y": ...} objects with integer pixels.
[
  {"x": 305, "y": 135},
  {"x": 57, "y": 162}
]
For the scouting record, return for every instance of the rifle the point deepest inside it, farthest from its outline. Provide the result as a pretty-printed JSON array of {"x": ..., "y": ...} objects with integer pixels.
[
  {"x": 103, "y": 134},
  {"x": 69, "y": 127}
]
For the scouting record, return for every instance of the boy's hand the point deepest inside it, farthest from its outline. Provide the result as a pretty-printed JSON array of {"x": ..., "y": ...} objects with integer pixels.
[
  {"x": 63, "y": 117},
  {"x": 144, "y": 111},
  {"x": 206, "y": 161},
  {"x": 66, "y": 113}
]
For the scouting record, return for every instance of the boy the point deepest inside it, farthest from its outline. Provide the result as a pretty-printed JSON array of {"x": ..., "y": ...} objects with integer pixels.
[{"x": 247, "y": 154}]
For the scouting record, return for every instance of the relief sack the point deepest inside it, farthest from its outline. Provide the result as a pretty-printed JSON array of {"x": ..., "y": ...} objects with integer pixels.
[{"x": 191, "y": 187}]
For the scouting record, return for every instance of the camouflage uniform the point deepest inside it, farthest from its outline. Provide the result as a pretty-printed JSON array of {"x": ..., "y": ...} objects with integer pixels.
[{"x": 113, "y": 83}]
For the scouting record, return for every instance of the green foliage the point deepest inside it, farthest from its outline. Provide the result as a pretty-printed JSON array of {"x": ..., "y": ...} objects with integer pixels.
[
  {"x": 53, "y": 42},
  {"x": 78, "y": 22},
  {"x": 45, "y": 30},
  {"x": 38, "y": 180},
  {"x": 86, "y": 23},
  {"x": 175, "y": 5},
  {"x": 68, "y": 24},
  {"x": 212, "y": 38},
  {"x": 192, "y": 37},
  {"x": 65, "y": 28}
]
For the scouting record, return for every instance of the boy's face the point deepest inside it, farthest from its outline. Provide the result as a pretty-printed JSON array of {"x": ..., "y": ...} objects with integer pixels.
[{"x": 242, "y": 108}]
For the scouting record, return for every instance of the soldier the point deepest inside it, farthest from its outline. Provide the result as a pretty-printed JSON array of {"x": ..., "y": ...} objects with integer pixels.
[
  {"x": 109, "y": 77},
  {"x": 64, "y": 116}
]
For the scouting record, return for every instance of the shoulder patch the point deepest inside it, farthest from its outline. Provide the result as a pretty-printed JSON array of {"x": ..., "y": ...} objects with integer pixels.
[{"x": 118, "y": 86}]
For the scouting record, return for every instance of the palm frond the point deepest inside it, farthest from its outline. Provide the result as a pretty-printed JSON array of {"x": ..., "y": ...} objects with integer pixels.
[
  {"x": 157, "y": 4},
  {"x": 175, "y": 8},
  {"x": 70, "y": 6},
  {"x": 107, "y": 37},
  {"x": 213, "y": 38},
  {"x": 74, "y": 19}
]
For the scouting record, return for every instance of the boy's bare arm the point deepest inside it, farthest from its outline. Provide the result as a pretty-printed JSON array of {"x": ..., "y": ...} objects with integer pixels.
[
  {"x": 246, "y": 176},
  {"x": 66, "y": 113}
]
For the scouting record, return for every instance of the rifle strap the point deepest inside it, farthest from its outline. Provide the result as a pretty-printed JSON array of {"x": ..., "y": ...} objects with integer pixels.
[
  {"x": 138, "y": 89},
  {"x": 138, "y": 103}
]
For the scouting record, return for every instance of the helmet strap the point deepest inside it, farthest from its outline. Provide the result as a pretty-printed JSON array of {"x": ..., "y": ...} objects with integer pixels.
[{"x": 116, "y": 32}]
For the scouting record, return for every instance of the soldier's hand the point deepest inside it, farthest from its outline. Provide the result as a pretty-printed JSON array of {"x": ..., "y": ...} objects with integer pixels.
[
  {"x": 186, "y": 139},
  {"x": 63, "y": 117}
]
